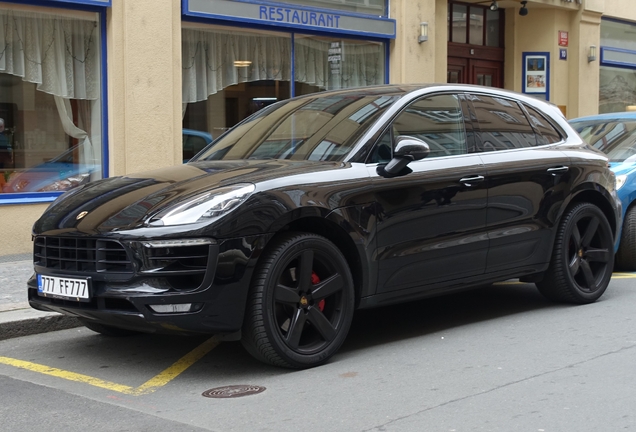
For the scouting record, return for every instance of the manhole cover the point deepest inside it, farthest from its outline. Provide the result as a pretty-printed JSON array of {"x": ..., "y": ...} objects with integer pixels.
[{"x": 233, "y": 391}]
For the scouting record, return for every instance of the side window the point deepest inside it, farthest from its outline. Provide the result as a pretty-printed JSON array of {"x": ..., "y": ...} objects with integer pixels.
[
  {"x": 548, "y": 134},
  {"x": 502, "y": 124},
  {"x": 438, "y": 121}
]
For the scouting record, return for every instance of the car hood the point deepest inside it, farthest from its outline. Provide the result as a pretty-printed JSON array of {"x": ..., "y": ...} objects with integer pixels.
[
  {"x": 620, "y": 168},
  {"x": 123, "y": 203}
]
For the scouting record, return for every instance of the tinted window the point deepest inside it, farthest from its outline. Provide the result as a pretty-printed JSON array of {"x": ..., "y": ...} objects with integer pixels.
[
  {"x": 548, "y": 134},
  {"x": 615, "y": 138},
  {"x": 438, "y": 121},
  {"x": 502, "y": 124},
  {"x": 320, "y": 128}
]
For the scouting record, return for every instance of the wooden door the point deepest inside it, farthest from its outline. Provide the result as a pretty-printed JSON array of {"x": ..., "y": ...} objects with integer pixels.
[{"x": 478, "y": 72}]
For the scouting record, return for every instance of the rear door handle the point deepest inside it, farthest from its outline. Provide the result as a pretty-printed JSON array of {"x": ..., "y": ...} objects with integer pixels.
[
  {"x": 558, "y": 170},
  {"x": 469, "y": 181}
]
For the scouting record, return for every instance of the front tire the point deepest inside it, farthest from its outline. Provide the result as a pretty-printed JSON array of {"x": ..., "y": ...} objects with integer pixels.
[
  {"x": 626, "y": 255},
  {"x": 301, "y": 302},
  {"x": 582, "y": 258}
]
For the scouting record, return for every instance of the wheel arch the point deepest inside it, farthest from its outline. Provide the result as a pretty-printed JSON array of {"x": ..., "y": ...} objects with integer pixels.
[
  {"x": 334, "y": 227},
  {"x": 601, "y": 199}
]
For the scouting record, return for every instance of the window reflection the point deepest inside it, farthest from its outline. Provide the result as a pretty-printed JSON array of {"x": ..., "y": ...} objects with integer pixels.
[
  {"x": 436, "y": 120},
  {"x": 502, "y": 124}
]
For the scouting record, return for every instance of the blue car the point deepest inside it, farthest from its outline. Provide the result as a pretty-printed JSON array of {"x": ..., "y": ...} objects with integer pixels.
[
  {"x": 615, "y": 135},
  {"x": 193, "y": 142}
]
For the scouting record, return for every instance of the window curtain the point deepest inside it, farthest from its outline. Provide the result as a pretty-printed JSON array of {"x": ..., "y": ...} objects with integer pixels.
[
  {"x": 59, "y": 54},
  {"x": 209, "y": 61},
  {"x": 358, "y": 64}
]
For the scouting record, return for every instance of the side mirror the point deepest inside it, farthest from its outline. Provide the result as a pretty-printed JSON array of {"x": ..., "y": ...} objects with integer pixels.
[{"x": 407, "y": 150}]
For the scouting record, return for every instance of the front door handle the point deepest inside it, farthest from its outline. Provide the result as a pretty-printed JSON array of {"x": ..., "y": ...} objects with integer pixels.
[
  {"x": 558, "y": 170},
  {"x": 469, "y": 181}
]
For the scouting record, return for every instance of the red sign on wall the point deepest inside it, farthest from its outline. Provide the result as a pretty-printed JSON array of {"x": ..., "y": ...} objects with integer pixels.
[{"x": 563, "y": 38}]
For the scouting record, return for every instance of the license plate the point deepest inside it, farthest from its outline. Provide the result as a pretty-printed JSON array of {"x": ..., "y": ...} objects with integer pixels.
[{"x": 63, "y": 287}]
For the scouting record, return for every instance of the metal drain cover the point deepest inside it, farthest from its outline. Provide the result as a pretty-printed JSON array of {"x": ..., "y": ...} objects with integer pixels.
[{"x": 233, "y": 391}]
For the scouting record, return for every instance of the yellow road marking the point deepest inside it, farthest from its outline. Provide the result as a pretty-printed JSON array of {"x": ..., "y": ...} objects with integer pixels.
[
  {"x": 149, "y": 386},
  {"x": 624, "y": 275}
]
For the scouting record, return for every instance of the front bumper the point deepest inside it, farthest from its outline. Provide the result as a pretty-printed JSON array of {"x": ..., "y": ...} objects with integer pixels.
[{"x": 218, "y": 296}]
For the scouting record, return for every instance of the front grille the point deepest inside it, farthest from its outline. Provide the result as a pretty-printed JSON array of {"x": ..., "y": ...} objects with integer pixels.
[
  {"x": 81, "y": 255},
  {"x": 178, "y": 260},
  {"x": 184, "y": 267}
]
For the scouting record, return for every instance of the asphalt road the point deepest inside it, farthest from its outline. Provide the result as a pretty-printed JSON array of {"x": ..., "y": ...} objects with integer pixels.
[{"x": 498, "y": 358}]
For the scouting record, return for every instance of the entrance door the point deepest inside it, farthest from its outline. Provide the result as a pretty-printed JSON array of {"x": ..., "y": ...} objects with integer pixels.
[
  {"x": 479, "y": 72},
  {"x": 486, "y": 73},
  {"x": 457, "y": 70}
]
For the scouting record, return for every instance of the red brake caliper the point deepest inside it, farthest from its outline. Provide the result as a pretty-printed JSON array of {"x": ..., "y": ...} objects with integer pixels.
[{"x": 315, "y": 280}]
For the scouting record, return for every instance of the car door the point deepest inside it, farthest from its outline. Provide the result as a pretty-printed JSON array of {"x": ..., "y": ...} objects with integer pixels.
[
  {"x": 527, "y": 180},
  {"x": 431, "y": 219}
]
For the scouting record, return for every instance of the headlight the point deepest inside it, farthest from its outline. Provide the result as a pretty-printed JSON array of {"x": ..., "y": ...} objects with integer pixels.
[
  {"x": 67, "y": 183},
  {"x": 620, "y": 181},
  {"x": 204, "y": 207}
]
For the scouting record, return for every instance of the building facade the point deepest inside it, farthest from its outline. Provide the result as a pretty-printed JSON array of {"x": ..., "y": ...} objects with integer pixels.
[{"x": 97, "y": 88}]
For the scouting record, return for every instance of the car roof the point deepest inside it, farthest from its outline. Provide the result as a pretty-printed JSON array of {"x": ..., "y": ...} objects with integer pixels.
[
  {"x": 629, "y": 115},
  {"x": 405, "y": 89}
]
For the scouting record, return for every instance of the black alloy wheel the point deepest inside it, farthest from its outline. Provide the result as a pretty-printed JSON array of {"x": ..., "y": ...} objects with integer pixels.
[
  {"x": 582, "y": 258},
  {"x": 301, "y": 302},
  {"x": 626, "y": 255}
]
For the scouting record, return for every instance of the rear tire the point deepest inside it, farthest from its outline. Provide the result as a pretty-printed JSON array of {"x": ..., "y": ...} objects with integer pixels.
[
  {"x": 582, "y": 258},
  {"x": 626, "y": 255},
  {"x": 107, "y": 330},
  {"x": 301, "y": 302}
]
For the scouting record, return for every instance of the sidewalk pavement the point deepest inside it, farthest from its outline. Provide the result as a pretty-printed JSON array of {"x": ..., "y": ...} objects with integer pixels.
[{"x": 17, "y": 318}]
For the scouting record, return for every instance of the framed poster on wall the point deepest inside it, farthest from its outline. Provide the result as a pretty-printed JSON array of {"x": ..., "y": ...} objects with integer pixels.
[{"x": 536, "y": 74}]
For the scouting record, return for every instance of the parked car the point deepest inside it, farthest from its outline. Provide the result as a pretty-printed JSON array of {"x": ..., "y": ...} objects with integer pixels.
[
  {"x": 193, "y": 142},
  {"x": 58, "y": 174},
  {"x": 321, "y": 204},
  {"x": 66, "y": 172},
  {"x": 615, "y": 135}
]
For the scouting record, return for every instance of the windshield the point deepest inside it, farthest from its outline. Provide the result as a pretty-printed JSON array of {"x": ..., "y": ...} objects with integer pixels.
[
  {"x": 319, "y": 128},
  {"x": 617, "y": 139}
]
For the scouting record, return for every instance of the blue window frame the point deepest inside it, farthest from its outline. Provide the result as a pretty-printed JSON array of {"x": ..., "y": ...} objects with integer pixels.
[{"x": 99, "y": 7}]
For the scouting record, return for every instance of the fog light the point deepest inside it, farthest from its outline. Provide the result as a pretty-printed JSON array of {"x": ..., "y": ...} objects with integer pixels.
[{"x": 175, "y": 308}]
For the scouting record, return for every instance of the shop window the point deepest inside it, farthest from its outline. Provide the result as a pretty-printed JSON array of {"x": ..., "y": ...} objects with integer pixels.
[
  {"x": 617, "y": 87},
  {"x": 323, "y": 63},
  {"x": 229, "y": 75},
  {"x": 50, "y": 132}
]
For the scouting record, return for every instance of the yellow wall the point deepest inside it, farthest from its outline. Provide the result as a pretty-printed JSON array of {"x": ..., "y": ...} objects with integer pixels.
[
  {"x": 623, "y": 9},
  {"x": 574, "y": 82},
  {"x": 144, "y": 84},
  {"x": 413, "y": 62},
  {"x": 15, "y": 231}
]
